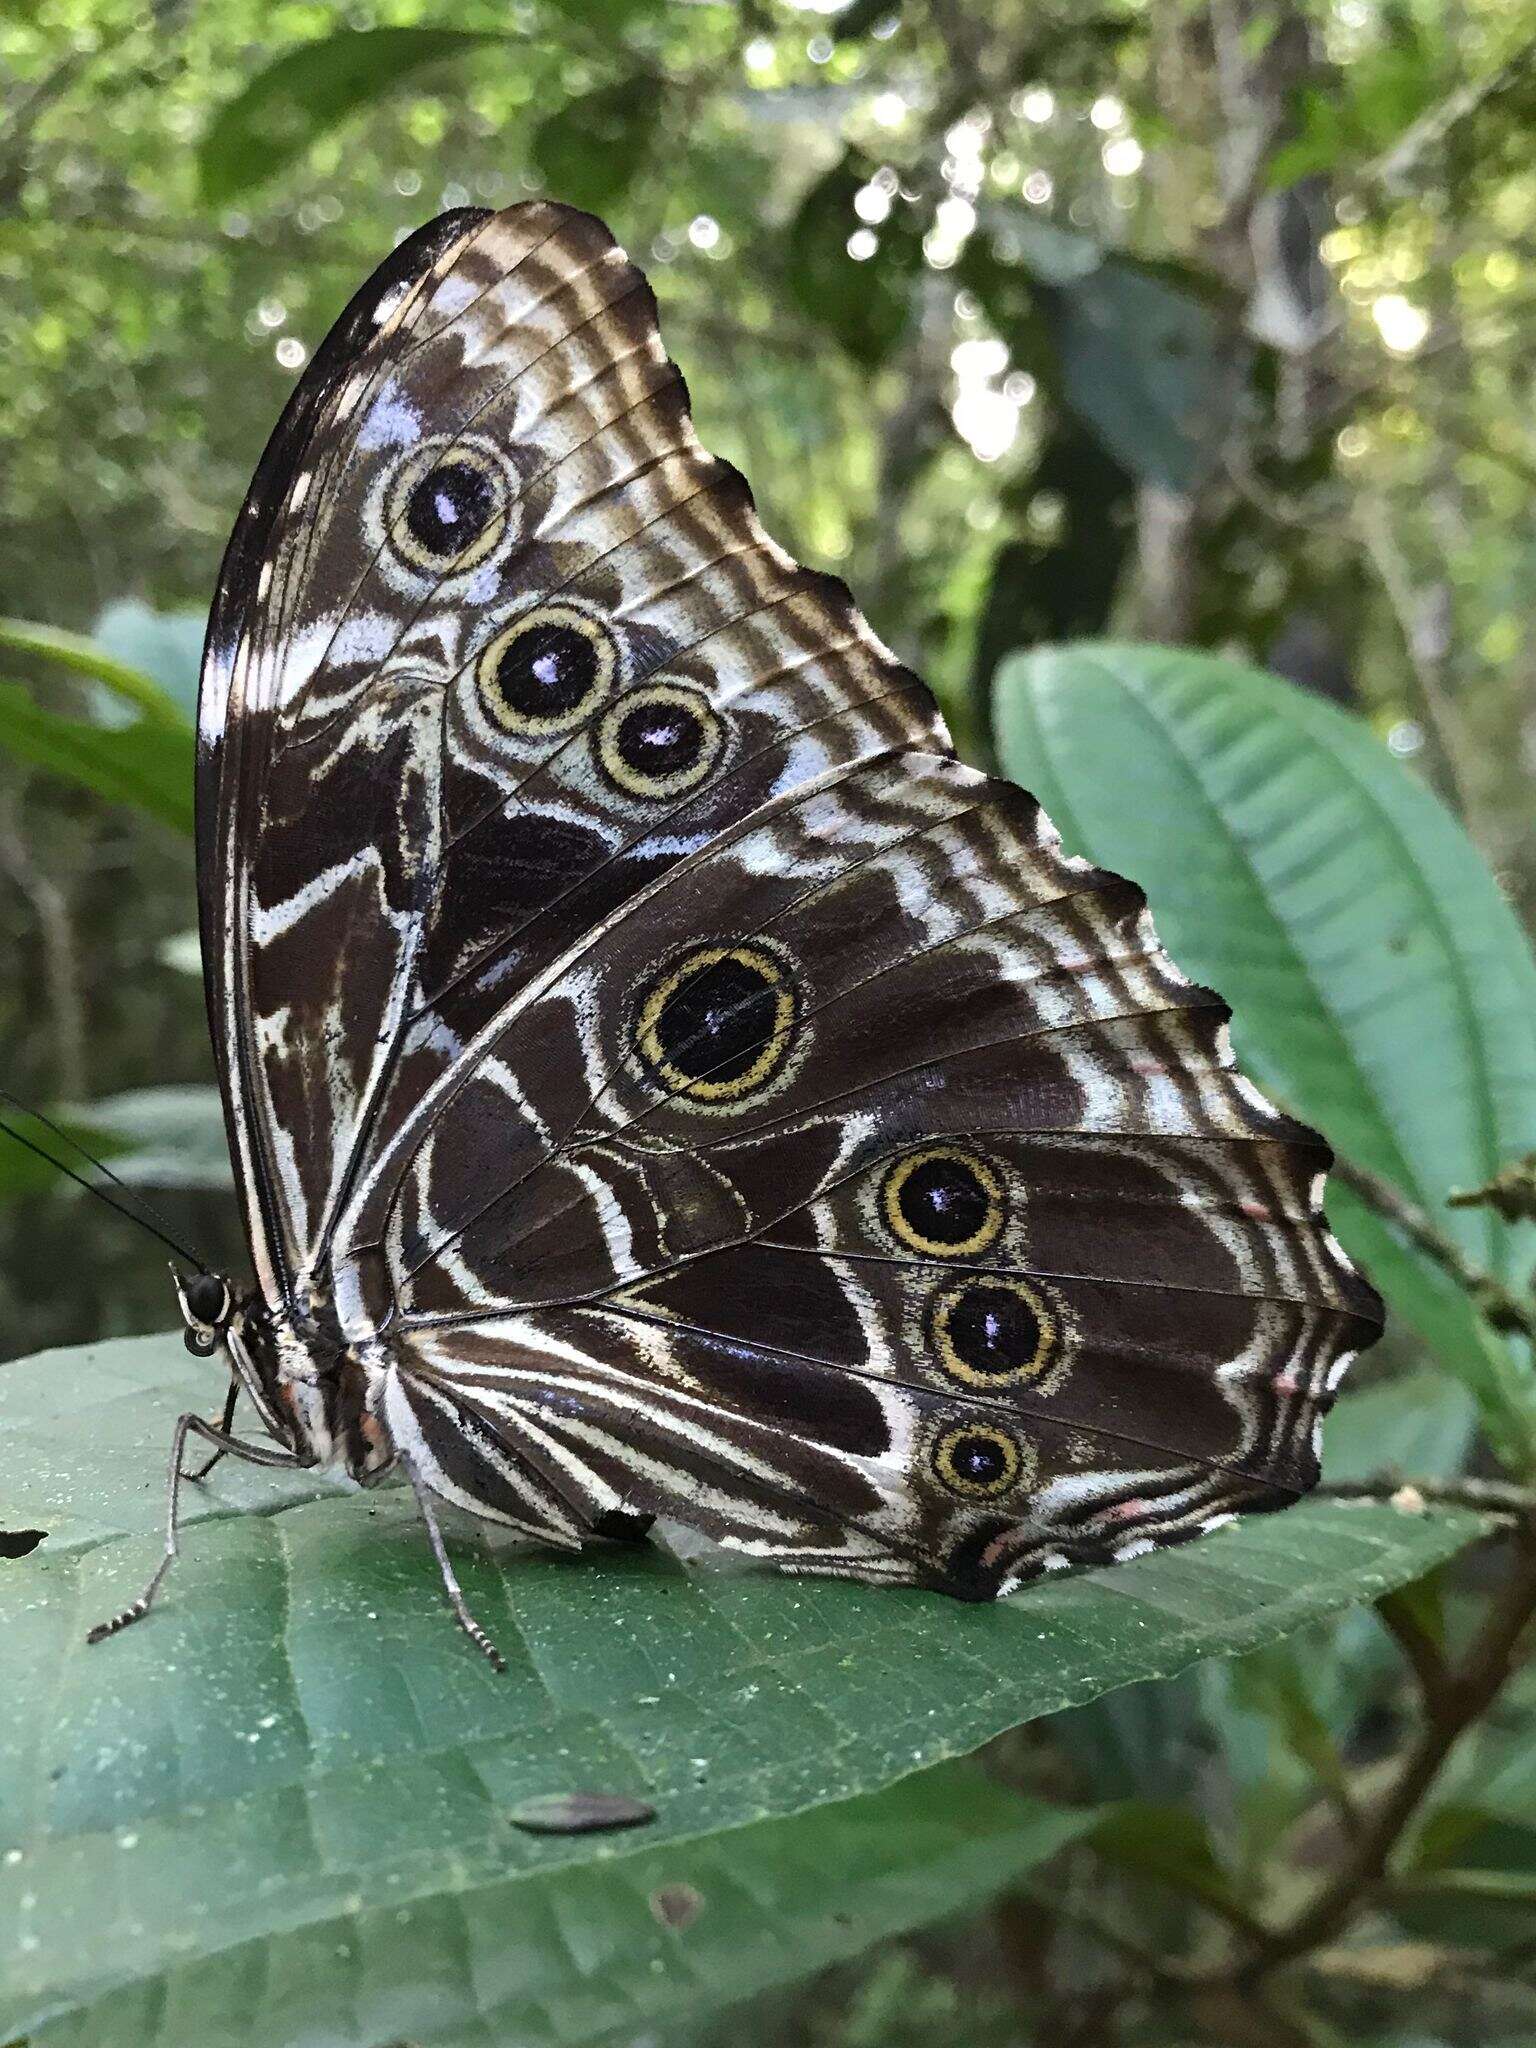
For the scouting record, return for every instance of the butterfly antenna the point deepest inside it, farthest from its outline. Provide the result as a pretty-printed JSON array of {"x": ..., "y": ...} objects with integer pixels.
[{"x": 157, "y": 1228}]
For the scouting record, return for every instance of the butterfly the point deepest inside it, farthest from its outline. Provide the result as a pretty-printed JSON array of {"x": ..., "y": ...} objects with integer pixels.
[{"x": 661, "y": 1079}]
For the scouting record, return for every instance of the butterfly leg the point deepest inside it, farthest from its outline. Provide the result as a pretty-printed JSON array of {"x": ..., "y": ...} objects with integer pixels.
[
  {"x": 187, "y": 1425},
  {"x": 225, "y": 1424},
  {"x": 451, "y": 1587}
]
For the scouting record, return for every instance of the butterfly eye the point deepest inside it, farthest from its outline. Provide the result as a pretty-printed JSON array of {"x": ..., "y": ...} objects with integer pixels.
[
  {"x": 548, "y": 672},
  {"x": 719, "y": 1024},
  {"x": 447, "y": 506},
  {"x": 943, "y": 1201},
  {"x": 978, "y": 1461},
  {"x": 994, "y": 1332},
  {"x": 659, "y": 741},
  {"x": 207, "y": 1297}
]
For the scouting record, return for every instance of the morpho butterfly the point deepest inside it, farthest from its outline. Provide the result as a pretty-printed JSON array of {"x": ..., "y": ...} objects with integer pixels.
[{"x": 661, "y": 1078}]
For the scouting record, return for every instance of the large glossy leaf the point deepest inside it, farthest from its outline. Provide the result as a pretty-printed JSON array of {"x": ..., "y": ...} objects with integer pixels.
[
  {"x": 542, "y": 1960},
  {"x": 297, "y": 1748},
  {"x": 168, "y": 1137},
  {"x": 1381, "y": 984},
  {"x": 307, "y": 91},
  {"x": 23, "y": 1172}
]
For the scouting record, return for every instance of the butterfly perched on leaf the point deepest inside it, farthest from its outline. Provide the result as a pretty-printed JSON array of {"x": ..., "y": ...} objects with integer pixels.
[{"x": 662, "y": 1080}]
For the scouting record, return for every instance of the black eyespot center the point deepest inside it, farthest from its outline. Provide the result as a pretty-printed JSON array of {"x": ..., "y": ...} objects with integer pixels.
[
  {"x": 451, "y": 507},
  {"x": 979, "y": 1457},
  {"x": 978, "y": 1461},
  {"x": 995, "y": 1331},
  {"x": 718, "y": 1020},
  {"x": 547, "y": 672},
  {"x": 660, "y": 740},
  {"x": 719, "y": 1024},
  {"x": 944, "y": 1201},
  {"x": 447, "y": 503}
]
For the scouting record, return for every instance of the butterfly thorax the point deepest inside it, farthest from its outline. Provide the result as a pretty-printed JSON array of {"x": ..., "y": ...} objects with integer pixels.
[{"x": 315, "y": 1393}]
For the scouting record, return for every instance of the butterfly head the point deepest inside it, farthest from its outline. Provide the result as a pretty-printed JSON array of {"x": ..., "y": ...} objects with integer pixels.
[{"x": 207, "y": 1303}]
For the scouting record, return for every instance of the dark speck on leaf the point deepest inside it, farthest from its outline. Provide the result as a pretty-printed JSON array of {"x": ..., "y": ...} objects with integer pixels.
[
  {"x": 676, "y": 1906},
  {"x": 580, "y": 1813}
]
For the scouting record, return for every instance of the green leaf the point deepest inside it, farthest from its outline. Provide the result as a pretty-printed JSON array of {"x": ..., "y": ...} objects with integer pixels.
[
  {"x": 297, "y": 1747},
  {"x": 308, "y": 91},
  {"x": 147, "y": 764},
  {"x": 1169, "y": 1844},
  {"x": 1419, "y": 1423},
  {"x": 545, "y": 1958},
  {"x": 100, "y": 662},
  {"x": 23, "y": 1173},
  {"x": 1471, "y": 1879},
  {"x": 1137, "y": 351},
  {"x": 590, "y": 149},
  {"x": 1382, "y": 986},
  {"x": 864, "y": 306},
  {"x": 169, "y": 1137},
  {"x": 1275, "y": 1682},
  {"x": 165, "y": 646}
]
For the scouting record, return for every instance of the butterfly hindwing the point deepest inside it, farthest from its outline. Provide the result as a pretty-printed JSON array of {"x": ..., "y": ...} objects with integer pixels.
[{"x": 938, "y": 1157}]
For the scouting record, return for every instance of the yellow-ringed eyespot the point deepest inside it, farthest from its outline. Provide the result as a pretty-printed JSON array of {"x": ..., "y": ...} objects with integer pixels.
[
  {"x": 448, "y": 504},
  {"x": 994, "y": 1331},
  {"x": 943, "y": 1201},
  {"x": 718, "y": 1023},
  {"x": 660, "y": 740},
  {"x": 978, "y": 1461},
  {"x": 547, "y": 672}
]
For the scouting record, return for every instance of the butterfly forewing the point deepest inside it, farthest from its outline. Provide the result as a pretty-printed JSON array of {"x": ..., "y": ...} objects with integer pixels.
[{"x": 690, "y": 1089}]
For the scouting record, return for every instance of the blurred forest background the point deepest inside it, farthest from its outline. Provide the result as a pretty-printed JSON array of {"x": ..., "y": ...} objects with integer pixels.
[
  {"x": 1186, "y": 322},
  {"x": 1197, "y": 322}
]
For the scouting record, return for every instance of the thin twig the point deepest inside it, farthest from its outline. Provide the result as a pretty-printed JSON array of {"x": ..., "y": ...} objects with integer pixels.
[
  {"x": 1484, "y": 1496},
  {"x": 1424, "y": 1656},
  {"x": 1074, "y": 1911},
  {"x": 1502, "y": 1306},
  {"x": 1391, "y": 170}
]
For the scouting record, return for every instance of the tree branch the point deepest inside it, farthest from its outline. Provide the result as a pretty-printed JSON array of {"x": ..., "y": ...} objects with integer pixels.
[{"x": 1464, "y": 1697}]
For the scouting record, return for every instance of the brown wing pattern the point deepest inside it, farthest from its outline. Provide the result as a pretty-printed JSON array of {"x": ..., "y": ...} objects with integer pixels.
[
  {"x": 721, "y": 1101},
  {"x": 426, "y": 804},
  {"x": 942, "y": 1243}
]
